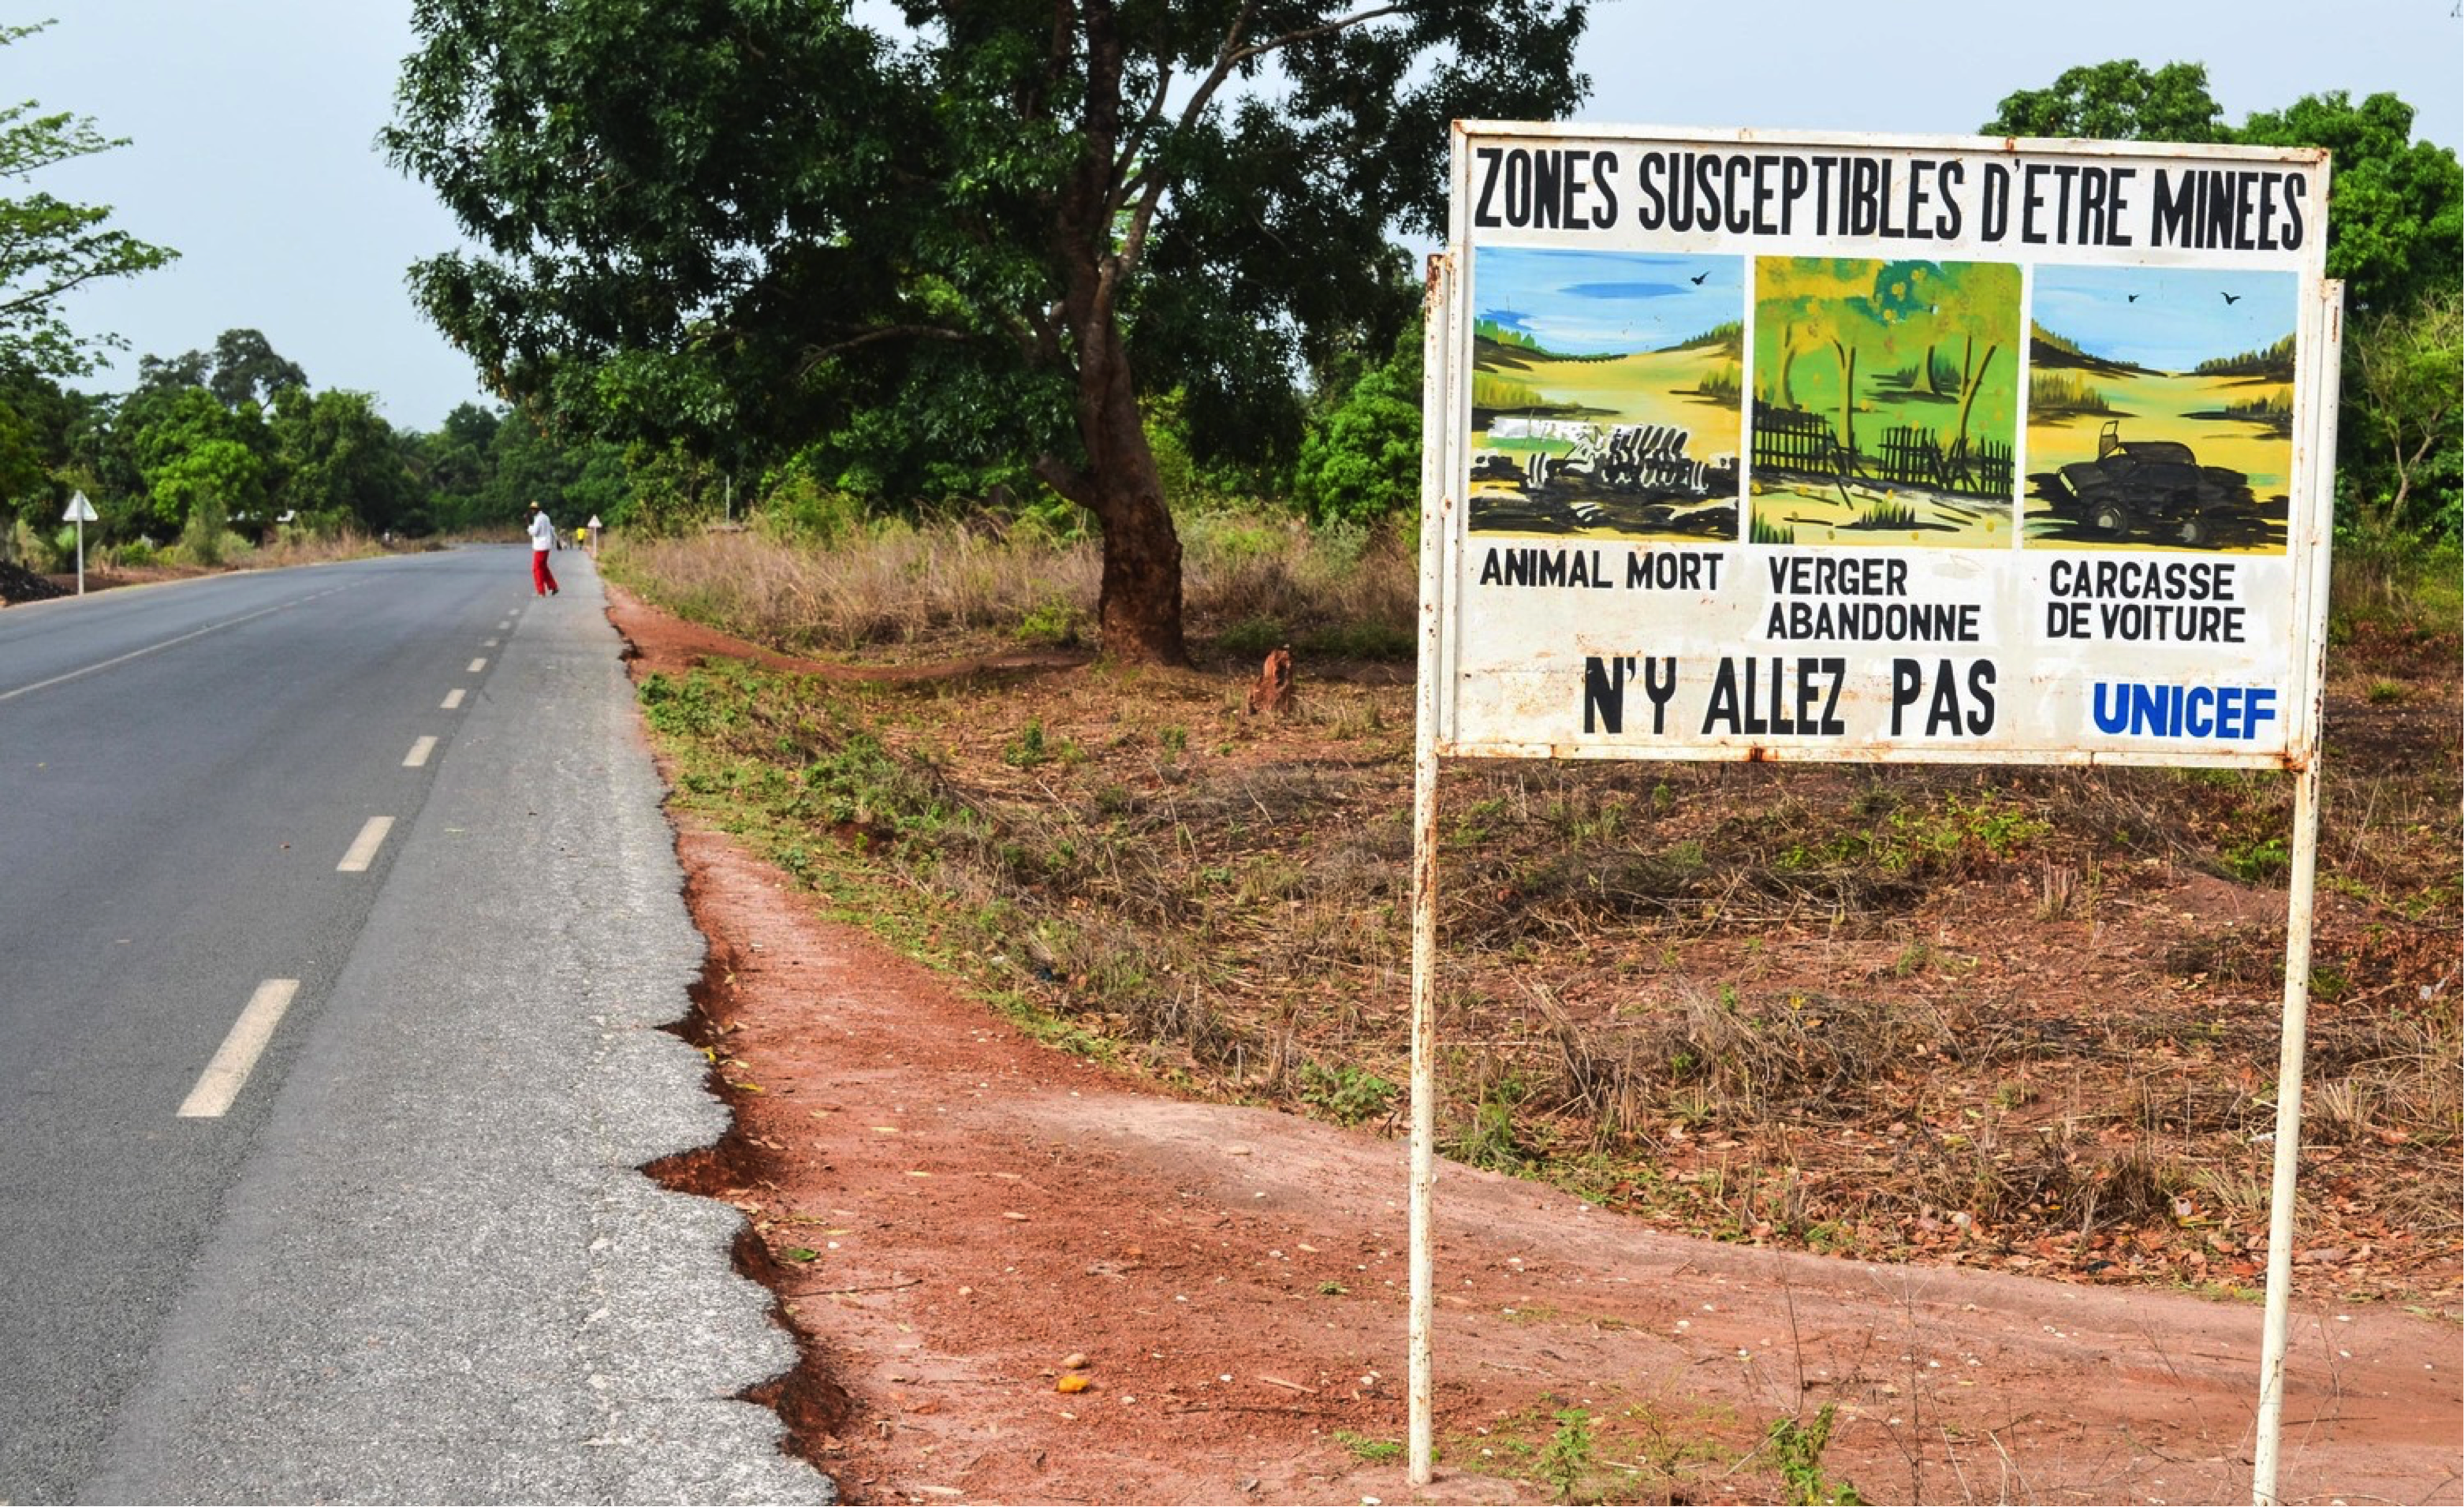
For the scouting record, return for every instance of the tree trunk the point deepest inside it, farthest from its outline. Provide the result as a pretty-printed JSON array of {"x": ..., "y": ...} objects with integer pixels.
[
  {"x": 1975, "y": 382},
  {"x": 1139, "y": 611}
]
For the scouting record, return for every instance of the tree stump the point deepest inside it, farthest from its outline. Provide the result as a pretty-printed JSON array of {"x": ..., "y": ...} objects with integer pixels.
[{"x": 1273, "y": 692}]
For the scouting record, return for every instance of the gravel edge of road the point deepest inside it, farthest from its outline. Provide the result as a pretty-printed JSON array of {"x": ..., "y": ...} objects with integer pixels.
[{"x": 443, "y": 1276}]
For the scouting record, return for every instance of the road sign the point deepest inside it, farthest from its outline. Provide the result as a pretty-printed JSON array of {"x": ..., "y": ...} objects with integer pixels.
[
  {"x": 80, "y": 513},
  {"x": 1741, "y": 445}
]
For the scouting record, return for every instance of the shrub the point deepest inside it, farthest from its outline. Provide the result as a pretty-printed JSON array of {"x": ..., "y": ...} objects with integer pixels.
[{"x": 1362, "y": 461}]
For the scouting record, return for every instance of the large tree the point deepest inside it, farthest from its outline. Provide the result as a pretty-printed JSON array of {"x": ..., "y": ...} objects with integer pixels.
[
  {"x": 2120, "y": 100},
  {"x": 758, "y": 223},
  {"x": 2395, "y": 206},
  {"x": 49, "y": 246},
  {"x": 2405, "y": 385}
]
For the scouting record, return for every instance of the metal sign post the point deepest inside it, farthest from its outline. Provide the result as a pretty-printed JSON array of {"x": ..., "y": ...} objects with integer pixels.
[
  {"x": 1859, "y": 449},
  {"x": 80, "y": 513},
  {"x": 2299, "y": 886}
]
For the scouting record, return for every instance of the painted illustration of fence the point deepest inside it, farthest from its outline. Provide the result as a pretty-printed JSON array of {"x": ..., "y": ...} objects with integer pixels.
[{"x": 1791, "y": 439}]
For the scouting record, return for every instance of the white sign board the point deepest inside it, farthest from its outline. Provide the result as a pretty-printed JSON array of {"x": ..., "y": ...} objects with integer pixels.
[
  {"x": 80, "y": 511},
  {"x": 1860, "y": 448}
]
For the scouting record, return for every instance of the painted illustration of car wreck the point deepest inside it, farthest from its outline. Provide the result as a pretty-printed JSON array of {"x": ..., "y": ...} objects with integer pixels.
[{"x": 2151, "y": 489}]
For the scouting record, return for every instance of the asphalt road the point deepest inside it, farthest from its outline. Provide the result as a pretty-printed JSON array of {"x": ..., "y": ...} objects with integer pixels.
[{"x": 337, "y": 919}]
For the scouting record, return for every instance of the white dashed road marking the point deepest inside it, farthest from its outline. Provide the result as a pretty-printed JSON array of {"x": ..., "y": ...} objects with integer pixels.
[
  {"x": 363, "y": 851},
  {"x": 228, "y": 1072},
  {"x": 419, "y": 752},
  {"x": 477, "y": 665},
  {"x": 452, "y": 700}
]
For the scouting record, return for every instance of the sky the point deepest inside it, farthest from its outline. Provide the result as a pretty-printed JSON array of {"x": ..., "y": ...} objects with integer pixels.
[
  {"x": 252, "y": 125},
  {"x": 2167, "y": 319},
  {"x": 1590, "y": 302}
]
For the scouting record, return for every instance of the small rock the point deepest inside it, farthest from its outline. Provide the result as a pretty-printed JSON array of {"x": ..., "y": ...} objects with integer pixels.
[{"x": 1074, "y": 1361}]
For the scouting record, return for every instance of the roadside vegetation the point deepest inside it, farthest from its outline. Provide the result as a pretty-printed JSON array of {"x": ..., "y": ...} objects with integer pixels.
[{"x": 2016, "y": 1018}]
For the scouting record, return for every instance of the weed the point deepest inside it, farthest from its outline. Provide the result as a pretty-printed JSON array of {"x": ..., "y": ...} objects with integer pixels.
[
  {"x": 1055, "y": 622},
  {"x": 1026, "y": 750},
  {"x": 2253, "y": 862},
  {"x": 1490, "y": 1140},
  {"x": 1798, "y": 1450},
  {"x": 1359, "y": 641},
  {"x": 1375, "y": 1451},
  {"x": 2386, "y": 693},
  {"x": 1567, "y": 1457},
  {"x": 1252, "y": 636},
  {"x": 1345, "y": 1093}
]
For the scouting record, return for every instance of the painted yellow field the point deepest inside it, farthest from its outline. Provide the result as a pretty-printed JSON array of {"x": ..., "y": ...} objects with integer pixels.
[
  {"x": 1646, "y": 387},
  {"x": 2158, "y": 408},
  {"x": 1855, "y": 513}
]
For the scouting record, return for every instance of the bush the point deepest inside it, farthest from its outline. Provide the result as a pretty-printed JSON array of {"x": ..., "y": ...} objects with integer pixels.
[{"x": 1362, "y": 461}]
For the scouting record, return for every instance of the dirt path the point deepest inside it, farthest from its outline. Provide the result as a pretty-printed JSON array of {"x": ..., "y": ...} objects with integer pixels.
[{"x": 949, "y": 1210}]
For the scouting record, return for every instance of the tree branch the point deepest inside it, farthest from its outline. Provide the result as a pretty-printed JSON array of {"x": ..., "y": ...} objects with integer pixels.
[
  {"x": 815, "y": 355},
  {"x": 1068, "y": 480},
  {"x": 1227, "y": 57}
]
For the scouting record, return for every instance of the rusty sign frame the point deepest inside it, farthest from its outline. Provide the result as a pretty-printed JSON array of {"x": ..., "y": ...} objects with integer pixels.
[{"x": 1453, "y": 721}]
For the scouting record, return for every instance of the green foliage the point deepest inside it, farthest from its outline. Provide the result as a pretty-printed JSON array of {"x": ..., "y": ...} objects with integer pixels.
[
  {"x": 2395, "y": 235},
  {"x": 2395, "y": 226},
  {"x": 936, "y": 259},
  {"x": 1027, "y": 749},
  {"x": 1798, "y": 1450},
  {"x": 1567, "y": 1457},
  {"x": 2260, "y": 859},
  {"x": 2404, "y": 382},
  {"x": 1253, "y": 636},
  {"x": 199, "y": 455},
  {"x": 1055, "y": 622},
  {"x": 1361, "y": 462},
  {"x": 1375, "y": 1452},
  {"x": 1344, "y": 1093},
  {"x": 2119, "y": 101},
  {"x": 49, "y": 247},
  {"x": 1490, "y": 1141}
]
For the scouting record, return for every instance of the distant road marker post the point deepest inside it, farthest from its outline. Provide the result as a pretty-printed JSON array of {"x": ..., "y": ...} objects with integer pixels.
[{"x": 80, "y": 513}]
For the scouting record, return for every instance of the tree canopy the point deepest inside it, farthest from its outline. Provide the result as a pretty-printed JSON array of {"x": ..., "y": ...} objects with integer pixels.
[
  {"x": 2117, "y": 101},
  {"x": 2395, "y": 206},
  {"x": 49, "y": 246},
  {"x": 920, "y": 255},
  {"x": 2395, "y": 235}
]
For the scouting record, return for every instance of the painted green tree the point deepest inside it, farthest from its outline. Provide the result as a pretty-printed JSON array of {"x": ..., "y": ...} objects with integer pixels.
[{"x": 1883, "y": 315}]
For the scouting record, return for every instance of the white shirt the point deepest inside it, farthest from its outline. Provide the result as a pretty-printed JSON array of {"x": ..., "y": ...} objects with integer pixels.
[{"x": 542, "y": 532}]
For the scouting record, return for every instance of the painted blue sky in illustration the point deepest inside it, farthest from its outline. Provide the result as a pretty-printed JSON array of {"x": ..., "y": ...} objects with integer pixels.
[
  {"x": 2179, "y": 318},
  {"x": 1588, "y": 303}
]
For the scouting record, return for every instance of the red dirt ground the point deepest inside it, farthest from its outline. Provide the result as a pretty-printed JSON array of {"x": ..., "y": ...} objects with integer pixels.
[{"x": 949, "y": 1210}]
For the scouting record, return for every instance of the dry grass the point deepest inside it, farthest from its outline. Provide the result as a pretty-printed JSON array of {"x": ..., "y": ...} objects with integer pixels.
[
  {"x": 905, "y": 585},
  {"x": 1953, "y": 1014}
]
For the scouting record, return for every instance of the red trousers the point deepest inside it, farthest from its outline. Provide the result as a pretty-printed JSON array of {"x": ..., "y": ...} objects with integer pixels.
[{"x": 542, "y": 579}]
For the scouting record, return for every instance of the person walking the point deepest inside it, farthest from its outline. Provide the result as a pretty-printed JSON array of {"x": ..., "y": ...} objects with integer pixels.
[{"x": 542, "y": 539}]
